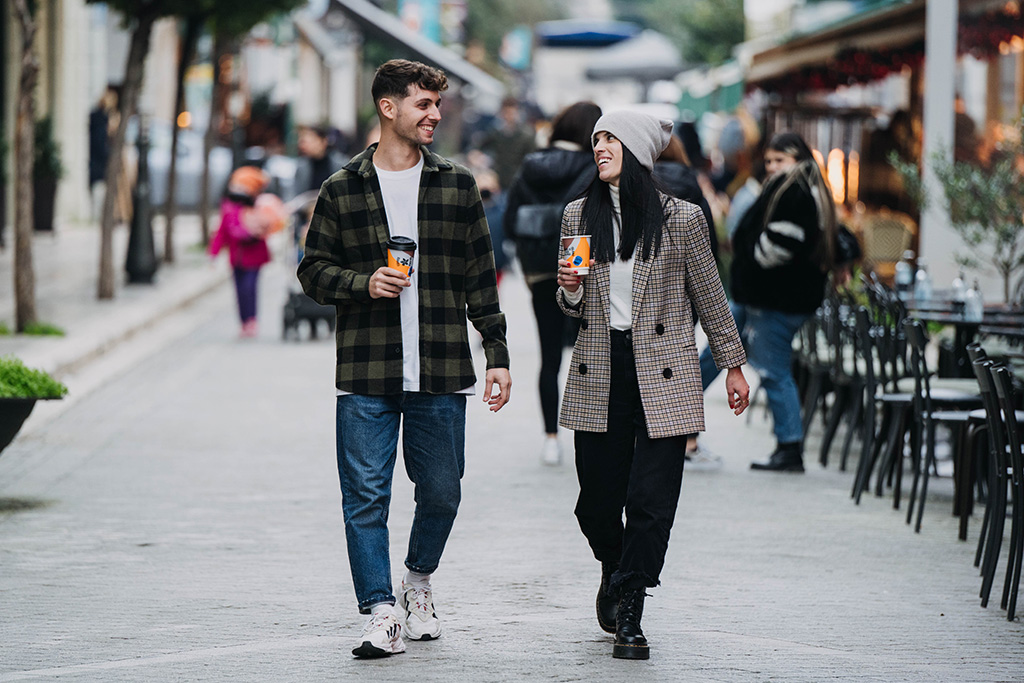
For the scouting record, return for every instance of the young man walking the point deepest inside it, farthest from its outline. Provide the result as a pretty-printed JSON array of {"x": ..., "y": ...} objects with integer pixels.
[{"x": 403, "y": 348}]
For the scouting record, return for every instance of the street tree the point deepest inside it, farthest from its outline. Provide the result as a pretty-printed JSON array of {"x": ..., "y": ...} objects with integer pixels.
[
  {"x": 139, "y": 17},
  {"x": 705, "y": 30},
  {"x": 229, "y": 22},
  {"x": 24, "y": 147},
  {"x": 195, "y": 17}
]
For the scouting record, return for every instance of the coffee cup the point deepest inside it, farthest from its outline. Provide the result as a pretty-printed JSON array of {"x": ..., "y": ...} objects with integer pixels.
[
  {"x": 576, "y": 250},
  {"x": 401, "y": 251}
]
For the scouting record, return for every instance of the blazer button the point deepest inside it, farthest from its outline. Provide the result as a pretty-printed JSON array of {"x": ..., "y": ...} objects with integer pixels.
[
  {"x": 583, "y": 324},
  {"x": 583, "y": 368},
  {"x": 667, "y": 373},
  {"x": 659, "y": 328}
]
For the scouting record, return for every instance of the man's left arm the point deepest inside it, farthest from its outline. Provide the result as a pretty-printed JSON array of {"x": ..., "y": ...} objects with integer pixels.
[{"x": 482, "y": 307}]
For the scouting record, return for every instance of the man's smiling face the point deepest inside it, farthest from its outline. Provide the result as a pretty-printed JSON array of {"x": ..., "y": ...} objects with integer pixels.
[{"x": 416, "y": 115}]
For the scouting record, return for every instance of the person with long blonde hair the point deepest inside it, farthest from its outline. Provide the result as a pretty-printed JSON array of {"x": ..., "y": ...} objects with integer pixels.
[{"x": 783, "y": 251}]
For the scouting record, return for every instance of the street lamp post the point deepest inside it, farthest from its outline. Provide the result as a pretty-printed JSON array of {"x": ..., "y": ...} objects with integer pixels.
[{"x": 141, "y": 263}]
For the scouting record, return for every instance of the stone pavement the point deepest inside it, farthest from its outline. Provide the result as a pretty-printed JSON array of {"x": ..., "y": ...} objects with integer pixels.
[{"x": 183, "y": 523}]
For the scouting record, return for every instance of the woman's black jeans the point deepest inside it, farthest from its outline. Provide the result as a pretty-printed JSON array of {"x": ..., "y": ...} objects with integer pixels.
[
  {"x": 551, "y": 328},
  {"x": 625, "y": 469}
]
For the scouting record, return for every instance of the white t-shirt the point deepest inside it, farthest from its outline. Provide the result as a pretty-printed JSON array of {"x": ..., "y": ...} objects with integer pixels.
[
  {"x": 401, "y": 201},
  {"x": 401, "y": 190}
]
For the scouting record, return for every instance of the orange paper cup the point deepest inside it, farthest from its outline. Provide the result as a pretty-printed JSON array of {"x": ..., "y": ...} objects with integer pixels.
[
  {"x": 576, "y": 250},
  {"x": 401, "y": 251}
]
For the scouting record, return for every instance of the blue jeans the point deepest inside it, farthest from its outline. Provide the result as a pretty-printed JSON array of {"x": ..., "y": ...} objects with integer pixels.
[
  {"x": 768, "y": 339},
  {"x": 433, "y": 435}
]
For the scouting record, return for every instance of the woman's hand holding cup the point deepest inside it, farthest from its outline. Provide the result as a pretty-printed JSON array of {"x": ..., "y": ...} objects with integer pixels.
[{"x": 569, "y": 277}]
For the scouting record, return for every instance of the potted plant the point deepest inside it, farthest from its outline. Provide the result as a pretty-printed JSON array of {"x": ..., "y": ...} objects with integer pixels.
[
  {"x": 46, "y": 172},
  {"x": 20, "y": 388},
  {"x": 985, "y": 204}
]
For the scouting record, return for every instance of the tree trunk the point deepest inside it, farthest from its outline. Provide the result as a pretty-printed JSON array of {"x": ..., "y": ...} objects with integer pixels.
[
  {"x": 221, "y": 49},
  {"x": 127, "y": 106},
  {"x": 193, "y": 25},
  {"x": 24, "y": 153}
]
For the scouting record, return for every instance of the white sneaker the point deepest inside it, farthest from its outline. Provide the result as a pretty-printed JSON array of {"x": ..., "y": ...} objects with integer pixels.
[
  {"x": 551, "y": 453},
  {"x": 701, "y": 461},
  {"x": 421, "y": 623},
  {"x": 382, "y": 636}
]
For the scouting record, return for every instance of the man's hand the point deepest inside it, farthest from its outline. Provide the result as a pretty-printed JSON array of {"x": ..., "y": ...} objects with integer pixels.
[
  {"x": 387, "y": 282},
  {"x": 503, "y": 379},
  {"x": 737, "y": 389}
]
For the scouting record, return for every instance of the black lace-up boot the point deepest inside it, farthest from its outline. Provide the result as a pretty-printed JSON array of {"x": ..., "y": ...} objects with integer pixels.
[
  {"x": 630, "y": 642},
  {"x": 607, "y": 600}
]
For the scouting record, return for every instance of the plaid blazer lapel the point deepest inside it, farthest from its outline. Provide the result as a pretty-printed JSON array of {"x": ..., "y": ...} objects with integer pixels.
[{"x": 641, "y": 275}]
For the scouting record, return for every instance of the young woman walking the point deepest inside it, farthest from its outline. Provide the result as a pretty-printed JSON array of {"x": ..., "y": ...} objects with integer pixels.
[{"x": 633, "y": 392}]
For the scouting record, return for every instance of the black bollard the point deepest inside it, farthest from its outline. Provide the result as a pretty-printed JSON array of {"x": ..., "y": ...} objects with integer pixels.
[{"x": 141, "y": 263}]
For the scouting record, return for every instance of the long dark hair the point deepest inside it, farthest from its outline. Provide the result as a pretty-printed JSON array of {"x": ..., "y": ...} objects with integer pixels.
[
  {"x": 808, "y": 174},
  {"x": 642, "y": 213}
]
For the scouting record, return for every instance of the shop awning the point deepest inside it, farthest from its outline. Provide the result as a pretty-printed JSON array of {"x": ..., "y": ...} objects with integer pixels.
[
  {"x": 886, "y": 28},
  {"x": 488, "y": 91}
]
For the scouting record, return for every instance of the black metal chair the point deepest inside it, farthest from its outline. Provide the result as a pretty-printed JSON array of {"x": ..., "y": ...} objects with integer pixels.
[
  {"x": 950, "y": 403},
  {"x": 1003, "y": 384}
]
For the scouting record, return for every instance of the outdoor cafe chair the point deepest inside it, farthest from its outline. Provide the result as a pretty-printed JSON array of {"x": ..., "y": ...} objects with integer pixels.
[
  {"x": 999, "y": 475},
  {"x": 935, "y": 401},
  {"x": 1003, "y": 384}
]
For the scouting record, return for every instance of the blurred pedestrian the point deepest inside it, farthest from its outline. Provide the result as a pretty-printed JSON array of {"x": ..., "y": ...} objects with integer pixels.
[
  {"x": 319, "y": 158},
  {"x": 244, "y": 227},
  {"x": 494, "y": 201},
  {"x": 548, "y": 180},
  {"x": 679, "y": 178},
  {"x": 784, "y": 248},
  {"x": 632, "y": 393},
  {"x": 508, "y": 141},
  {"x": 403, "y": 351},
  {"x": 103, "y": 119}
]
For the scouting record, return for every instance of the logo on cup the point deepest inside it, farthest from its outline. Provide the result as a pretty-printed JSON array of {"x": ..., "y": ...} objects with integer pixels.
[{"x": 401, "y": 251}]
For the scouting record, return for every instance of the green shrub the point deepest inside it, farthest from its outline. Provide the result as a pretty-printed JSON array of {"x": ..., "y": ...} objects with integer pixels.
[
  {"x": 43, "y": 330},
  {"x": 18, "y": 381},
  {"x": 4, "y": 330}
]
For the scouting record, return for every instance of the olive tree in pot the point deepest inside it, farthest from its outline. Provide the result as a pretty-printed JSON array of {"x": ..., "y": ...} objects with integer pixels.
[
  {"x": 46, "y": 173},
  {"x": 985, "y": 204},
  {"x": 20, "y": 388}
]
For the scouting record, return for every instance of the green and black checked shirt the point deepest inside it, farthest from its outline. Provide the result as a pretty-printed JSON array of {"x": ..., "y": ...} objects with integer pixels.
[{"x": 345, "y": 246}]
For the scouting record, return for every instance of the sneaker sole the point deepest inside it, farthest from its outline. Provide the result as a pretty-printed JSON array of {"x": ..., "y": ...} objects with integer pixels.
[
  {"x": 425, "y": 636},
  {"x": 368, "y": 650},
  {"x": 631, "y": 652}
]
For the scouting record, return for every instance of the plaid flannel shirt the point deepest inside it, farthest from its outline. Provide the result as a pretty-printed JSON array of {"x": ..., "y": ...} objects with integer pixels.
[{"x": 345, "y": 245}]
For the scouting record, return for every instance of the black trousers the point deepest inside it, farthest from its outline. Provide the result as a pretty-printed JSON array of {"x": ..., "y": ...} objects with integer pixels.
[
  {"x": 552, "y": 327},
  {"x": 624, "y": 469}
]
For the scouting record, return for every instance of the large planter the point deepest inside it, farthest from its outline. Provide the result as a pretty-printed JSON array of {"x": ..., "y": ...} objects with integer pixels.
[
  {"x": 44, "y": 198},
  {"x": 13, "y": 413}
]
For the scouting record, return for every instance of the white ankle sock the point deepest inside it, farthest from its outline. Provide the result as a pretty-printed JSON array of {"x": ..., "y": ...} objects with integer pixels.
[
  {"x": 414, "y": 580},
  {"x": 382, "y": 607}
]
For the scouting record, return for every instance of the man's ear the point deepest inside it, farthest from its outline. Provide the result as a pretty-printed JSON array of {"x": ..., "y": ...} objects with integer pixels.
[{"x": 387, "y": 107}]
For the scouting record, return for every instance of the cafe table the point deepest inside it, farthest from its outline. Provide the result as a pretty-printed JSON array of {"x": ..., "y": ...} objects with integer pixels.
[{"x": 966, "y": 331}]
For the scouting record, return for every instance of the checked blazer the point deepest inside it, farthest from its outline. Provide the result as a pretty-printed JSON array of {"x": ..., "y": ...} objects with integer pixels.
[
  {"x": 662, "y": 329},
  {"x": 345, "y": 245}
]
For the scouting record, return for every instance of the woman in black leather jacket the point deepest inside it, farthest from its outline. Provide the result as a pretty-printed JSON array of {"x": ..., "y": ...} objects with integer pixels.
[{"x": 548, "y": 180}]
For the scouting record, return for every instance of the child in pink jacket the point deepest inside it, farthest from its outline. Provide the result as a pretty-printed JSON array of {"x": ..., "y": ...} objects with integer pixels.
[{"x": 244, "y": 238}]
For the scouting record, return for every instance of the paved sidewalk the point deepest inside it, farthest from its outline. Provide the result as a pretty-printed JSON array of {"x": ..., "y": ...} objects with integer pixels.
[
  {"x": 66, "y": 264},
  {"x": 190, "y": 530}
]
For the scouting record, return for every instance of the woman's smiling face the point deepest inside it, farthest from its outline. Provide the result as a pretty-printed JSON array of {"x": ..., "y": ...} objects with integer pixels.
[{"x": 608, "y": 156}]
